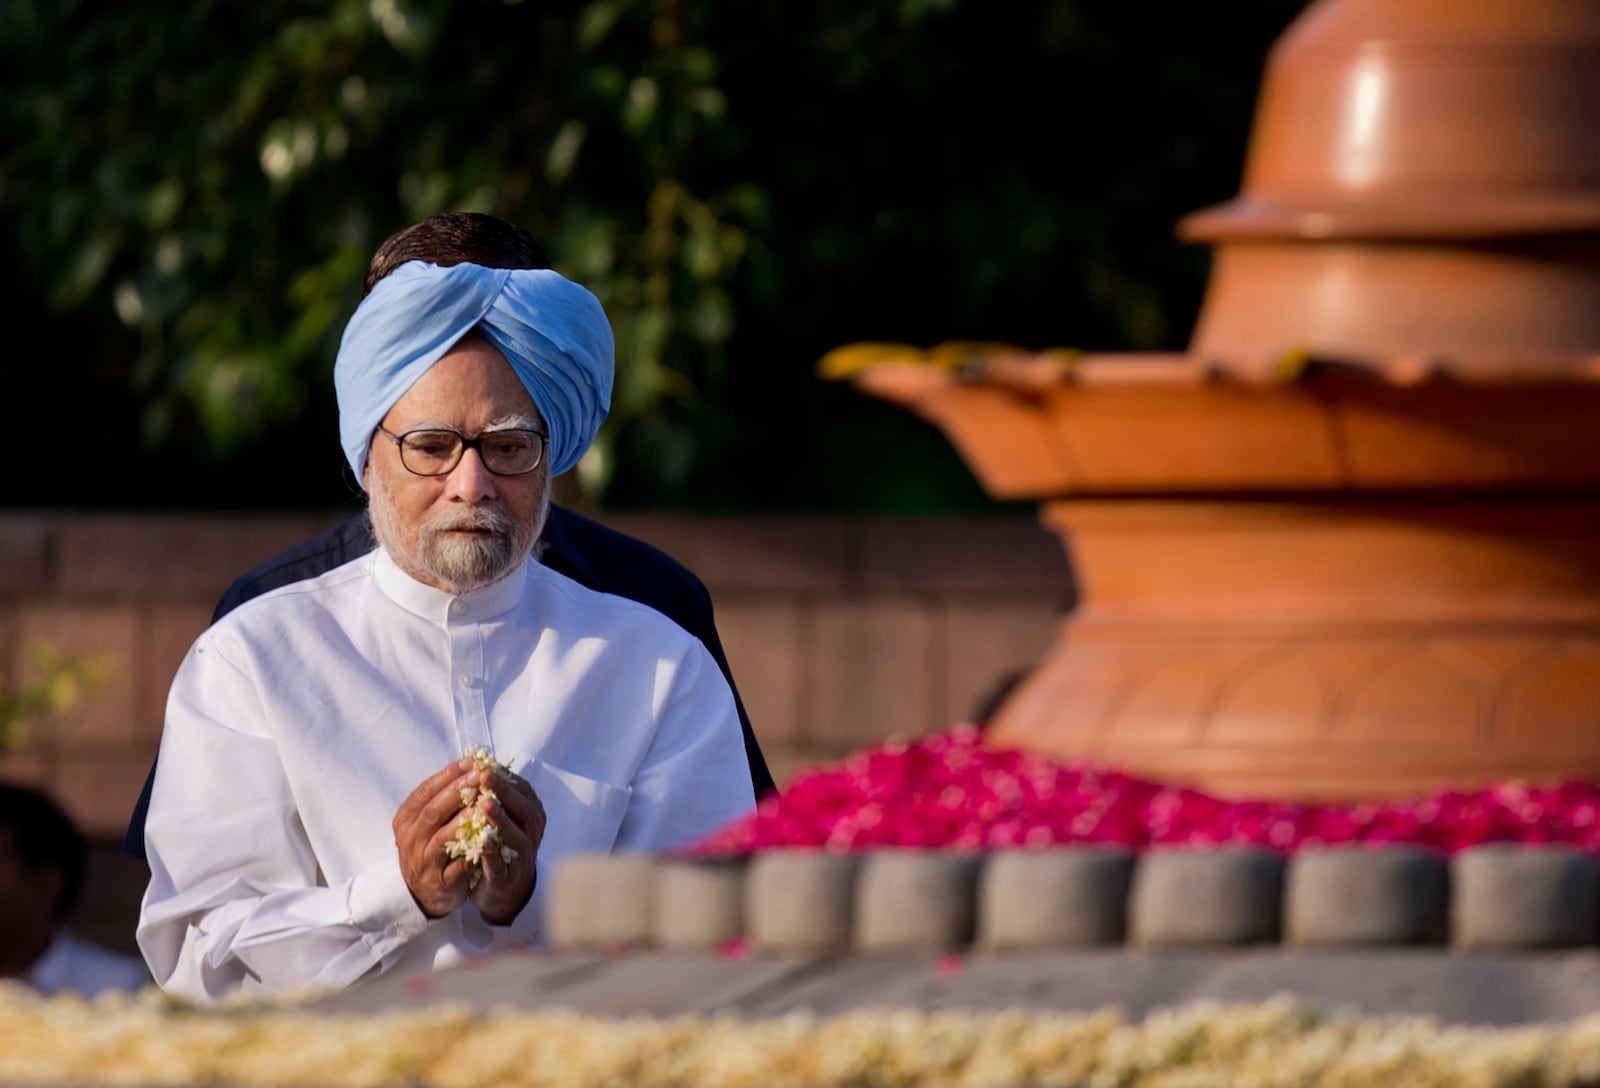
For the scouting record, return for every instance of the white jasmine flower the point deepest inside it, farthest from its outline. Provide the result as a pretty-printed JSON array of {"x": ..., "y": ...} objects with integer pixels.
[
  {"x": 147, "y": 1039},
  {"x": 474, "y": 833}
]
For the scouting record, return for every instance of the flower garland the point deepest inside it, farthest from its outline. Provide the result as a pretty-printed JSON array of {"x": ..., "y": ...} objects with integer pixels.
[
  {"x": 948, "y": 790},
  {"x": 147, "y": 1039}
]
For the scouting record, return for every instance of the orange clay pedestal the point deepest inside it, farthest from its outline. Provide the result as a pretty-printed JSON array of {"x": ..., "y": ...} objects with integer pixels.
[
  {"x": 1332, "y": 585},
  {"x": 1324, "y": 649}
]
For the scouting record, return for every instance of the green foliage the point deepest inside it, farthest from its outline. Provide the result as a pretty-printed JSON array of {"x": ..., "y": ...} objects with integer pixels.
[
  {"x": 61, "y": 684},
  {"x": 213, "y": 176},
  {"x": 189, "y": 193}
]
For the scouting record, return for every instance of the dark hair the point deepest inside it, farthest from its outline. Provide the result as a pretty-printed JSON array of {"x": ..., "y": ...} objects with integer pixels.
[
  {"x": 457, "y": 238},
  {"x": 44, "y": 837}
]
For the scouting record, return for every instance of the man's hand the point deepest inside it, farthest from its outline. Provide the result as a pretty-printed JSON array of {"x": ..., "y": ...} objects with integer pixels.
[
  {"x": 426, "y": 821},
  {"x": 519, "y": 817}
]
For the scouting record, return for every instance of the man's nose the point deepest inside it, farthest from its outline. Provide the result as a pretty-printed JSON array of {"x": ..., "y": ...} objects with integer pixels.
[{"x": 470, "y": 481}]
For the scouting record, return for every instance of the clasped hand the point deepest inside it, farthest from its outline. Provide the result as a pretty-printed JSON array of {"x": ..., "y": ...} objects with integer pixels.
[{"x": 426, "y": 822}]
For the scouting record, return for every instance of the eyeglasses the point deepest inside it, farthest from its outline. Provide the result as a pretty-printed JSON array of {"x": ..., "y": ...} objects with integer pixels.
[{"x": 515, "y": 451}]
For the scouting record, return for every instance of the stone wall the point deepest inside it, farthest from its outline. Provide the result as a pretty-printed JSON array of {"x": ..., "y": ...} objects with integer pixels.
[{"x": 841, "y": 630}]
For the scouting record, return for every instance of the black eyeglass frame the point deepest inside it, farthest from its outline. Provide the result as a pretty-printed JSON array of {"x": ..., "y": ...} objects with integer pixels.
[{"x": 466, "y": 444}]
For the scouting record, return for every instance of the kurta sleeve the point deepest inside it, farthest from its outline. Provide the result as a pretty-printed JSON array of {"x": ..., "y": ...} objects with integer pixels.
[
  {"x": 694, "y": 776},
  {"x": 236, "y": 900}
]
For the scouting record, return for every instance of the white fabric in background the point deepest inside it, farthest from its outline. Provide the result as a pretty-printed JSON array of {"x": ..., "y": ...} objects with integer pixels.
[{"x": 75, "y": 965}]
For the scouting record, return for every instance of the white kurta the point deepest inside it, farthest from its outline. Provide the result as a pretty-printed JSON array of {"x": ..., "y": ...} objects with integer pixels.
[{"x": 298, "y": 724}]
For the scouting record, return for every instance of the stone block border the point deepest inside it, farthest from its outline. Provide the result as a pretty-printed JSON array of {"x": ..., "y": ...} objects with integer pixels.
[
  {"x": 1206, "y": 897},
  {"x": 1353, "y": 896},
  {"x": 1506, "y": 897},
  {"x": 811, "y": 902}
]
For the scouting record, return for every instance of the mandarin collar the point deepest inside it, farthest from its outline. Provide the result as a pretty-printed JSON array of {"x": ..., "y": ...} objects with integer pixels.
[{"x": 434, "y": 604}]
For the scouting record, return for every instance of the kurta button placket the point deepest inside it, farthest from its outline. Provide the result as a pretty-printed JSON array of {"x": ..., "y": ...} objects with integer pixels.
[{"x": 466, "y": 661}]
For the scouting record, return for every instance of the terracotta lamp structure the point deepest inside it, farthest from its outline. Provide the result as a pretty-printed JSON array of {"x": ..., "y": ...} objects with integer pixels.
[{"x": 1348, "y": 543}]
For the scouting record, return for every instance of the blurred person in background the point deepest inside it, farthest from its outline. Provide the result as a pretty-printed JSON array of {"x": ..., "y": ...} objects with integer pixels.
[{"x": 42, "y": 858}]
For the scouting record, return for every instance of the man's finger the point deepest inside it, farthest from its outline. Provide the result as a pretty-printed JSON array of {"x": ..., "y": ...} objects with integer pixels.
[
  {"x": 512, "y": 834},
  {"x": 519, "y": 803},
  {"x": 452, "y": 871},
  {"x": 437, "y": 881},
  {"x": 439, "y": 842},
  {"x": 412, "y": 806},
  {"x": 495, "y": 868},
  {"x": 506, "y": 886},
  {"x": 445, "y": 805}
]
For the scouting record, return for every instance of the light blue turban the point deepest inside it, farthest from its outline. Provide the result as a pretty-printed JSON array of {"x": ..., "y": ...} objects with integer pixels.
[{"x": 552, "y": 332}]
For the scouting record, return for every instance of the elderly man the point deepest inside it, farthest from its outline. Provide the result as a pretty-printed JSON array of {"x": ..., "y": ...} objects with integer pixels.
[
  {"x": 592, "y": 554},
  {"x": 330, "y": 848}
]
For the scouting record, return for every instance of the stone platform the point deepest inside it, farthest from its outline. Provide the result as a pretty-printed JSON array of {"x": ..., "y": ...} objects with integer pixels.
[
  {"x": 806, "y": 932},
  {"x": 1499, "y": 989}
]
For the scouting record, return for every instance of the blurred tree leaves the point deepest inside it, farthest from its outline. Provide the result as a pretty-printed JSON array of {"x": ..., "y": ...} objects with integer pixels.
[
  {"x": 59, "y": 684},
  {"x": 189, "y": 194},
  {"x": 213, "y": 176}
]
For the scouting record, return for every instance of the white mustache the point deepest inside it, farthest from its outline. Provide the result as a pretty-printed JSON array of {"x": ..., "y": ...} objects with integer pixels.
[{"x": 492, "y": 520}]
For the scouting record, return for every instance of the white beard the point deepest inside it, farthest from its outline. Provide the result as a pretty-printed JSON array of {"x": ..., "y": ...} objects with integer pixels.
[{"x": 453, "y": 563}]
